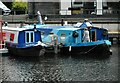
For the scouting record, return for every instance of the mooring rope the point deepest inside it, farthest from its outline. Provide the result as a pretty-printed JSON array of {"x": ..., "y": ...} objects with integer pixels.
[{"x": 89, "y": 50}]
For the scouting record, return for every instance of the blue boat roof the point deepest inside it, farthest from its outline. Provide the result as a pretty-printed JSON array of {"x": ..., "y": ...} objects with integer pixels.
[
  {"x": 43, "y": 26},
  {"x": 68, "y": 29},
  {"x": 32, "y": 26},
  {"x": 78, "y": 25}
]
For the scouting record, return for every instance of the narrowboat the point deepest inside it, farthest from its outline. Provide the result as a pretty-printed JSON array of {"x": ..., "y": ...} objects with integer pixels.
[
  {"x": 23, "y": 41},
  {"x": 70, "y": 38}
]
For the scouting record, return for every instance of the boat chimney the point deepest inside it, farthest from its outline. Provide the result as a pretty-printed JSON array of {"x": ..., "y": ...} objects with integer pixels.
[
  {"x": 6, "y": 24},
  {"x": 39, "y": 17},
  {"x": 35, "y": 27}
]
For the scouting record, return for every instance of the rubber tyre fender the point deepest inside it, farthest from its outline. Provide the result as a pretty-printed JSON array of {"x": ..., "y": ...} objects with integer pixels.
[{"x": 42, "y": 52}]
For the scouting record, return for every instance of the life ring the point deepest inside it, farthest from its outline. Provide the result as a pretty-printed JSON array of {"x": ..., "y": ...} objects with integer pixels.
[{"x": 75, "y": 34}]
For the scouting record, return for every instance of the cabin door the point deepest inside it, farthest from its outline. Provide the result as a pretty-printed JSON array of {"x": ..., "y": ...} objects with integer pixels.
[
  {"x": 29, "y": 36},
  {"x": 93, "y": 35}
]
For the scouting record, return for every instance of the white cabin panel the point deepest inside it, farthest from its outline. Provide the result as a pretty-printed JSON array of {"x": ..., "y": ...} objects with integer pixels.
[{"x": 11, "y": 36}]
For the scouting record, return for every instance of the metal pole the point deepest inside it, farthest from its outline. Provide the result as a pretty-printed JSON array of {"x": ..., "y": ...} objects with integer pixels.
[
  {"x": 62, "y": 23},
  {"x": 71, "y": 6},
  {"x": 118, "y": 24},
  {"x": 55, "y": 44}
]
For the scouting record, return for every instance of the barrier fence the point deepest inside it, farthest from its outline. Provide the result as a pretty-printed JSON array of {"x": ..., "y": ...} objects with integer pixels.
[
  {"x": 2, "y": 44},
  {"x": 1, "y": 38}
]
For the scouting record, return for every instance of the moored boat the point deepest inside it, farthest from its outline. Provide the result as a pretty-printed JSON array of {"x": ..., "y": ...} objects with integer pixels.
[
  {"x": 23, "y": 41},
  {"x": 70, "y": 38}
]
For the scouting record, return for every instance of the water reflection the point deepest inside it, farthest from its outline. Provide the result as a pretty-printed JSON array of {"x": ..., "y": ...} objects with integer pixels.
[{"x": 60, "y": 68}]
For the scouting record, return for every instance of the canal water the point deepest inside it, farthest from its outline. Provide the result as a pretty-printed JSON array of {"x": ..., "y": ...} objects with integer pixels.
[{"x": 60, "y": 68}]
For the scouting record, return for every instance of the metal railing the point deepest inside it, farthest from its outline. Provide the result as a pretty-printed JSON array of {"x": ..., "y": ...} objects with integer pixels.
[
  {"x": 56, "y": 15},
  {"x": 66, "y": 11}
]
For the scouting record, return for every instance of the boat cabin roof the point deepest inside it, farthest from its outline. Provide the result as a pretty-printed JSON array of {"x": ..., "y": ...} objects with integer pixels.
[
  {"x": 38, "y": 26},
  {"x": 69, "y": 29},
  {"x": 15, "y": 29}
]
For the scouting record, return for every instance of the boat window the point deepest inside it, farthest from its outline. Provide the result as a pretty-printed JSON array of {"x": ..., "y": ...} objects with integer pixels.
[
  {"x": 12, "y": 37},
  {"x": 62, "y": 38},
  {"x": 29, "y": 36},
  {"x": 63, "y": 34}
]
